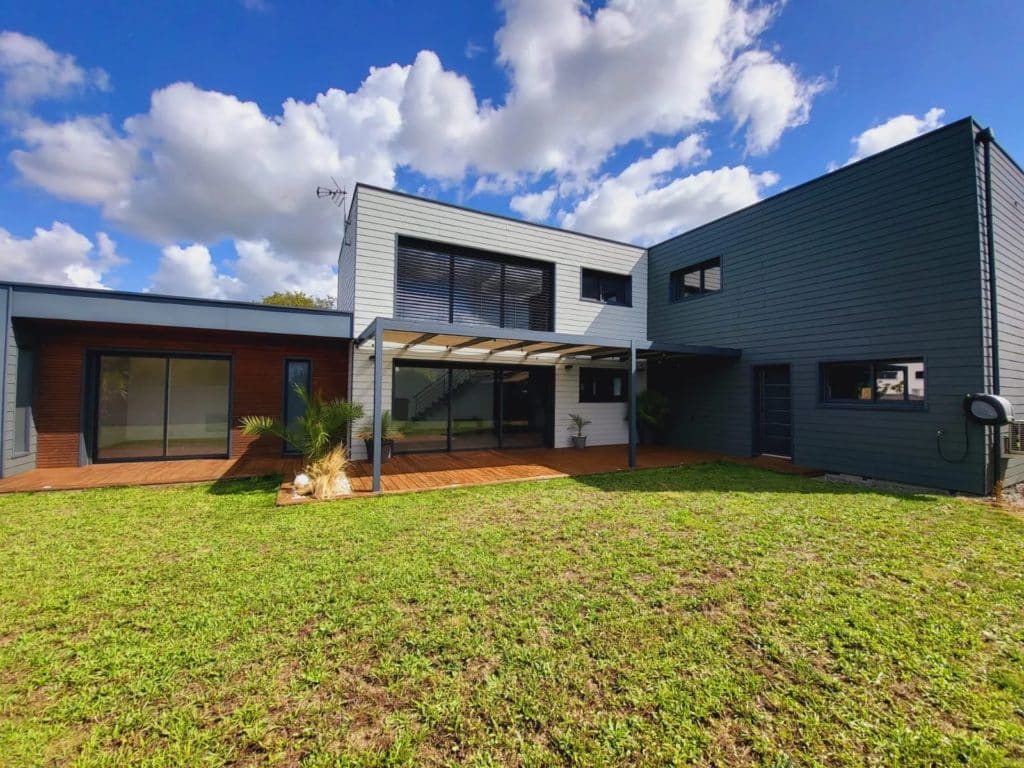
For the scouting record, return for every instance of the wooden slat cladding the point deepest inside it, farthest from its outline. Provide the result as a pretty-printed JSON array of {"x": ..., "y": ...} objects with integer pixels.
[{"x": 257, "y": 381}]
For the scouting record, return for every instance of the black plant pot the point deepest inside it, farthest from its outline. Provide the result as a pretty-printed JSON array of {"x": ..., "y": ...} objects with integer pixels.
[{"x": 387, "y": 449}]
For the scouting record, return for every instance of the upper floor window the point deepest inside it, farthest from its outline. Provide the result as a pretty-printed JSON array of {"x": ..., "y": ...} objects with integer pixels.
[
  {"x": 896, "y": 382},
  {"x": 697, "y": 280},
  {"x": 606, "y": 287},
  {"x": 452, "y": 284}
]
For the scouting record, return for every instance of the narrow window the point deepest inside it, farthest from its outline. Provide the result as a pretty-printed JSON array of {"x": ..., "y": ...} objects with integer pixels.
[
  {"x": 894, "y": 382},
  {"x": 606, "y": 287},
  {"x": 698, "y": 280},
  {"x": 296, "y": 373},
  {"x": 23, "y": 402},
  {"x": 602, "y": 385}
]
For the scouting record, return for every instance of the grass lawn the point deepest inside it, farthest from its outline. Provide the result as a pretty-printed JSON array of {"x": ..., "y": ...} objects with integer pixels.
[{"x": 713, "y": 615}]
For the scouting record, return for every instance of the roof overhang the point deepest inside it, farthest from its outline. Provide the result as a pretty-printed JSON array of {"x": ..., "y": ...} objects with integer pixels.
[
  {"x": 44, "y": 302},
  {"x": 480, "y": 340}
]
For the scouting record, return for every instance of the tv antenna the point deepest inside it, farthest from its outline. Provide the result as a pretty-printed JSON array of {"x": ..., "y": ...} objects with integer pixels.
[{"x": 336, "y": 194}]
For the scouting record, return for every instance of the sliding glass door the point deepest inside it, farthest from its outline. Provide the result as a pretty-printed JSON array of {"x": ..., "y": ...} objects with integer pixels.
[
  {"x": 154, "y": 407},
  {"x": 442, "y": 407}
]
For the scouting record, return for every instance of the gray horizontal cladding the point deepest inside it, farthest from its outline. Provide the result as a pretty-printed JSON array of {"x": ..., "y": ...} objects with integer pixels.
[
  {"x": 878, "y": 260},
  {"x": 54, "y": 303},
  {"x": 1008, "y": 225}
]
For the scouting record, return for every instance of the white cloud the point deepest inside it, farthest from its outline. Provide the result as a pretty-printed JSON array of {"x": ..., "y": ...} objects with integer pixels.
[
  {"x": 535, "y": 206},
  {"x": 768, "y": 98},
  {"x": 647, "y": 202},
  {"x": 58, "y": 256},
  {"x": 202, "y": 167},
  {"x": 82, "y": 159},
  {"x": 254, "y": 272},
  {"x": 30, "y": 70},
  {"x": 894, "y": 131}
]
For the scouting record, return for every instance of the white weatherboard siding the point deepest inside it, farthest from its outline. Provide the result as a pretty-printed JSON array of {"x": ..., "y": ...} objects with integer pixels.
[
  {"x": 609, "y": 425},
  {"x": 346, "y": 300},
  {"x": 380, "y": 217}
]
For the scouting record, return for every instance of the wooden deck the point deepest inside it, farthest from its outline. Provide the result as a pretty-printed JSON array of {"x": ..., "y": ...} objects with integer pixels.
[
  {"x": 432, "y": 471},
  {"x": 146, "y": 473},
  {"x": 403, "y": 474}
]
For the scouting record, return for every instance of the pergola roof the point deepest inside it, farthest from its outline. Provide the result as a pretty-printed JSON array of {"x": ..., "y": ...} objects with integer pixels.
[{"x": 485, "y": 340}]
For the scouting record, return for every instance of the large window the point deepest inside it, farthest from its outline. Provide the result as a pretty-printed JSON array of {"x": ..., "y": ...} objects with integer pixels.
[
  {"x": 698, "y": 280},
  {"x": 450, "y": 284},
  {"x": 606, "y": 287},
  {"x": 602, "y": 385},
  {"x": 453, "y": 407},
  {"x": 891, "y": 382},
  {"x": 151, "y": 406},
  {"x": 23, "y": 402}
]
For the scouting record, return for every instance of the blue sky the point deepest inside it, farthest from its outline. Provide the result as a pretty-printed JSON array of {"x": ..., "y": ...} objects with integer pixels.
[{"x": 176, "y": 147}]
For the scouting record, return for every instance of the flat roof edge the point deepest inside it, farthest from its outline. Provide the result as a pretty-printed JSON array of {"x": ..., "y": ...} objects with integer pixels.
[{"x": 46, "y": 302}]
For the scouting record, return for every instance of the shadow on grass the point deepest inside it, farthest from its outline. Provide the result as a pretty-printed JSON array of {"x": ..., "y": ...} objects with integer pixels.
[
  {"x": 245, "y": 486},
  {"x": 727, "y": 477}
]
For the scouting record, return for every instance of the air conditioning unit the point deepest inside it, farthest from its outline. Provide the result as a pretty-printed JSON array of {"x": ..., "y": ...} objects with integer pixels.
[{"x": 1013, "y": 438}]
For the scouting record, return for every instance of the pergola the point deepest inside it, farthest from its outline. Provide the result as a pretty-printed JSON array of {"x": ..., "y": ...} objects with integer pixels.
[{"x": 486, "y": 340}]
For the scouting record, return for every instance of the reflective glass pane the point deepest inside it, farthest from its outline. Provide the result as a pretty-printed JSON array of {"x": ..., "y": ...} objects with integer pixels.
[
  {"x": 419, "y": 406},
  {"x": 297, "y": 373},
  {"x": 473, "y": 409},
  {"x": 691, "y": 283},
  {"x": 197, "y": 407},
  {"x": 900, "y": 381},
  {"x": 713, "y": 278},
  {"x": 23, "y": 402},
  {"x": 848, "y": 381},
  {"x": 130, "y": 414},
  {"x": 526, "y": 395}
]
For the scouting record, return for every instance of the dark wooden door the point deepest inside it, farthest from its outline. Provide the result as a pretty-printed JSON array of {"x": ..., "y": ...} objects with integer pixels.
[{"x": 773, "y": 430}]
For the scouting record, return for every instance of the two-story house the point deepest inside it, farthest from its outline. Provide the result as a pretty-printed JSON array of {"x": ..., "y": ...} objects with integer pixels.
[{"x": 840, "y": 323}]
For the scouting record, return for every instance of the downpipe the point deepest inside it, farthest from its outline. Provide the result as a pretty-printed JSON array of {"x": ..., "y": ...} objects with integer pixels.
[{"x": 985, "y": 138}]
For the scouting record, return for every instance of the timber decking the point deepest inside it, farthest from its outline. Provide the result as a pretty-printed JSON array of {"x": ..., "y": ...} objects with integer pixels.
[
  {"x": 409, "y": 473},
  {"x": 147, "y": 473},
  {"x": 403, "y": 474}
]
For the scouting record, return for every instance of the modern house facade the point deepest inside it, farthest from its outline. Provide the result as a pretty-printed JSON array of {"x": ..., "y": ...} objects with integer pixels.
[{"x": 839, "y": 323}]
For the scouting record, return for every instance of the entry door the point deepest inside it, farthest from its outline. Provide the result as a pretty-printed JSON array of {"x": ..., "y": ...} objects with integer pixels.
[{"x": 773, "y": 430}]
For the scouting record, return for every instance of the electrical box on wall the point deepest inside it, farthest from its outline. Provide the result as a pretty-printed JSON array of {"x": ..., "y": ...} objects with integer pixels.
[{"x": 990, "y": 409}]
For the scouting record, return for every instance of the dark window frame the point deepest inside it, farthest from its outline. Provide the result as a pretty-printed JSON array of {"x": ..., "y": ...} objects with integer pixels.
[
  {"x": 601, "y": 275},
  {"x": 606, "y": 373},
  {"x": 874, "y": 366},
  {"x": 498, "y": 369},
  {"x": 286, "y": 448},
  {"x": 677, "y": 276},
  {"x": 451, "y": 251},
  {"x": 92, "y": 391}
]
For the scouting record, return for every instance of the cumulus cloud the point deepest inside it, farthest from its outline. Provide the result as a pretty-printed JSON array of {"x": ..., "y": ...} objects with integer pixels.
[
  {"x": 894, "y": 131},
  {"x": 648, "y": 201},
  {"x": 768, "y": 98},
  {"x": 57, "y": 256},
  {"x": 200, "y": 167},
  {"x": 535, "y": 206},
  {"x": 30, "y": 70},
  {"x": 82, "y": 159}
]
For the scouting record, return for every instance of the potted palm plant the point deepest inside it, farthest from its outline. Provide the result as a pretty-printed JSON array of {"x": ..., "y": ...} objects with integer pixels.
[
  {"x": 319, "y": 435},
  {"x": 579, "y": 421},
  {"x": 388, "y": 434}
]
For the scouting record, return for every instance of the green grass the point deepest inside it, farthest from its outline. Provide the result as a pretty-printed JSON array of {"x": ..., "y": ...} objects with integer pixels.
[{"x": 711, "y": 615}]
